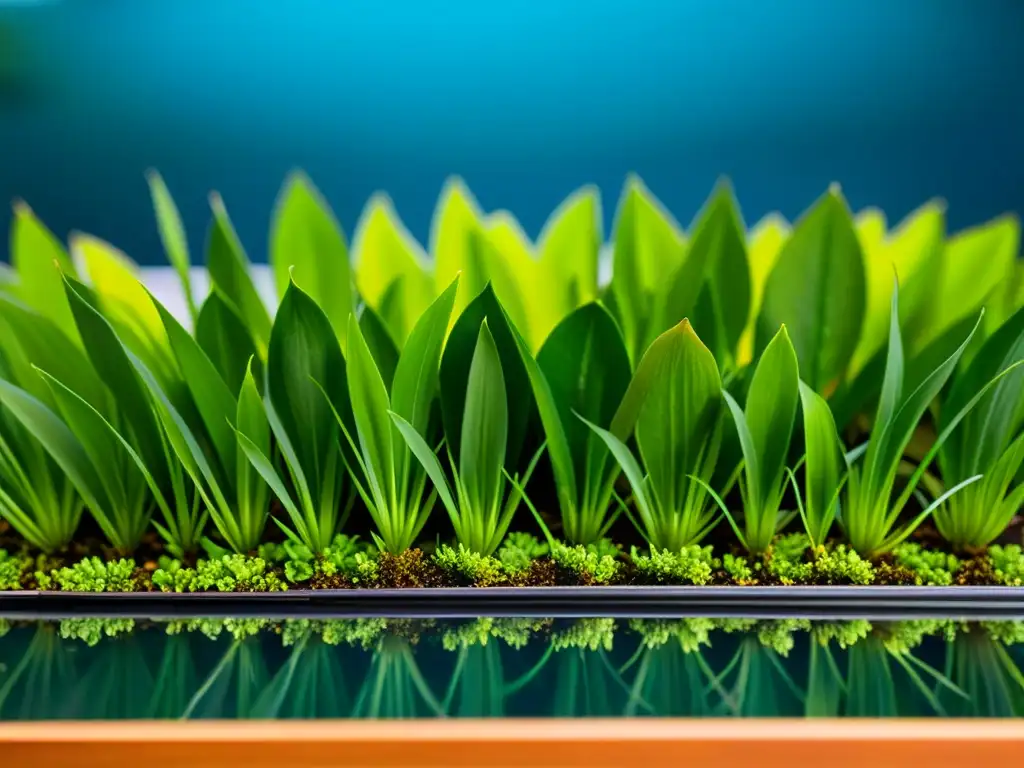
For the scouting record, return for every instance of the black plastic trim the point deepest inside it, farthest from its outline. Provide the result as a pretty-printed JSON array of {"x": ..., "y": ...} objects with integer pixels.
[{"x": 838, "y": 603}]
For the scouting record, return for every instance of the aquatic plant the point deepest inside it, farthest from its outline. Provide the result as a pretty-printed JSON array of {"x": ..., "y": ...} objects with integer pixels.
[{"x": 730, "y": 376}]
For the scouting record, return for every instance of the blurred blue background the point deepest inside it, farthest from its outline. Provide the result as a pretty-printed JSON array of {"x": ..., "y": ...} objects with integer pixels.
[{"x": 899, "y": 100}]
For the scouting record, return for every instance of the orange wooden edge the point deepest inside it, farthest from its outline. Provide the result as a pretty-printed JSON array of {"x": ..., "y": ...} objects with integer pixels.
[{"x": 720, "y": 743}]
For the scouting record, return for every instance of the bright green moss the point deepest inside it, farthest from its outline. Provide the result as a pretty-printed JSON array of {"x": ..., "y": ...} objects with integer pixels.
[
  {"x": 845, "y": 633},
  {"x": 463, "y": 565},
  {"x": 691, "y": 565},
  {"x": 11, "y": 569},
  {"x": 1007, "y": 564},
  {"x": 738, "y": 568},
  {"x": 778, "y": 635},
  {"x": 836, "y": 565},
  {"x": 591, "y": 564},
  {"x": 341, "y": 557},
  {"x": 1005, "y": 632},
  {"x": 519, "y": 550},
  {"x": 931, "y": 567},
  {"x": 230, "y": 573},
  {"x": 91, "y": 575}
]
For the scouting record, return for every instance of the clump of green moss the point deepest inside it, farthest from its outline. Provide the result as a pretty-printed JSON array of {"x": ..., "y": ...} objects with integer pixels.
[
  {"x": 690, "y": 565},
  {"x": 690, "y": 633},
  {"x": 91, "y": 631},
  {"x": 340, "y": 558},
  {"x": 12, "y": 569},
  {"x": 91, "y": 575},
  {"x": 593, "y": 564},
  {"x": 239, "y": 629},
  {"x": 739, "y": 570},
  {"x": 931, "y": 567},
  {"x": 585, "y": 634},
  {"x": 229, "y": 573},
  {"x": 467, "y": 567},
  {"x": 905, "y": 636},
  {"x": 1007, "y": 564},
  {"x": 519, "y": 551},
  {"x": 1005, "y": 632},
  {"x": 514, "y": 632}
]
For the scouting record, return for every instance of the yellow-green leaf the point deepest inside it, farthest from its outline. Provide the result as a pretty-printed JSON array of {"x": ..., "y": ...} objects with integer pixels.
[
  {"x": 308, "y": 246},
  {"x": 764, "y": 242},
  {"x": 172, "y": 235},
  {"x": 385, "y": 253}
]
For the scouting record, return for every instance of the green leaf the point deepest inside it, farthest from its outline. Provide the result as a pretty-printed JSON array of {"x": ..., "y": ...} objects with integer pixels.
[
  {"x": 457, "y": 245},
  {"x": 386, "y": 256},
  {"x": 678, "y": 412},
  {"x": 370, "y": 408},
  {"x": 428, "y": 459},
  {"x": 983, "y": 435},
  {"x": 213, "y": 399},
  {"x": 484, "y": 427},
  {"x": 382, "y": 346},
  {"x": 586, "y": 366},
  {"x": 229, "y": 270},
  {"x": 630, "y": 468},
  {"x": 648, "y": 244},
  {"x": 771, "y": 410},
  {"x": 304, "y": 360},
  {"x": 715, "y": 271},
  {"x": 172, "y": 235},
  {"x": 823, "y": 466},
  {"x": 114, "y": 366},
  {"x": 455, "y": 366},
  {"x": 416, "y": 377},
  {"x": 817, "y": 290},
  {"x": 42, "y": 344},
  {"x": 223, "y": 336},
  {"x": 307, "y": 243},
  {"x": 569, "y": 246},
  {"x": 40, "y": 260},
  {"x": 764, "y": 243},
  {"x": 58, "y": 440}
]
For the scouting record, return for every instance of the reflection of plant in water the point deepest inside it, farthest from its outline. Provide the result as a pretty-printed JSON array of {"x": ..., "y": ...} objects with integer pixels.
[
  {"x": 587, "y": 683},
  {"x": 310, "y": 684},
  {"x": 394, "y": 687},
  {"x": 988, "y": 675},
  {"x": 672, "y": 676},
  {"x": 34, "y": 687},
  {"x": 118, "y": 682},
  {"x": 176, "y": 676},
  {"x": 761, "y": 687},
  {"x": 234, "y": 685}
]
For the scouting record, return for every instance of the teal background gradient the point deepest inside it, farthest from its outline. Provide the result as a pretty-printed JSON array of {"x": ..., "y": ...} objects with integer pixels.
[{"x": 899, "y": 100}]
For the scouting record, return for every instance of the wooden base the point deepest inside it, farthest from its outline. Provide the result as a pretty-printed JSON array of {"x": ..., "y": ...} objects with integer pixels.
[{"x": 591, "y": 743}]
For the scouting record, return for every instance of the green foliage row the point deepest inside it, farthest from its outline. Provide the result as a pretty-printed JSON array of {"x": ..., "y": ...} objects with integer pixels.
[{"x": 722, "y": 376}]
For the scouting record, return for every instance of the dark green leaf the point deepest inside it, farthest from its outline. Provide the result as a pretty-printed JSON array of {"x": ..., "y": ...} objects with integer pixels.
[
  {"x": 224, "y": 338},
  {"x": 382, "y": 346}
]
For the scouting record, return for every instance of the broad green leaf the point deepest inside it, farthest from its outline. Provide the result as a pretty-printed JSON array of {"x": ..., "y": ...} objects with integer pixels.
[
  {"x": 58, "y": 440},
  {"x": 975, "y": 265},
  {"x": 40, "y": 261},
  {"x": 816, "y": 289},
  {"x": 382, "y": 346},
  {"x": 771, "y": 410},
  {"x": 913, "y": 253},
  {"x": 112, "y": 363},
  {"x": 224, "y": 338},
  {"x": 229, "y": 270},
  {"x": 370, "y": 408},
  {"x": 303, "y": 362},
  {"x": 983, "y": 435},
  {"x": 458, "y": 245},
  {"x": 172, "y": 235},
  {"x": 764, "y": 243},
  {"x": 569, "y": 246},
  {"x": 307, "y": 243},
  {"x": 426, "y": 456},
  {"x": 251, "y": 489},
  {"x": 515, "y": 274},
  {"x": 557, "y": 443},
  {"x": 385, "y": 255},
  {"x": 713, "y": 283},
  {"x": 586, "y": 366},
  {"x": 215, "y": 402},
  {"x": 41, "y": 343},
  {"x": 416, "y": 377},
  {"x": 455, "y": 366},
  {"x": 823, "y": 466},
  {"x": 125, "y": 302},
  {"x": 679, "y": 411},
  {"x": 648, "y": 245},
  {"x": 484, "y": 427}
]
